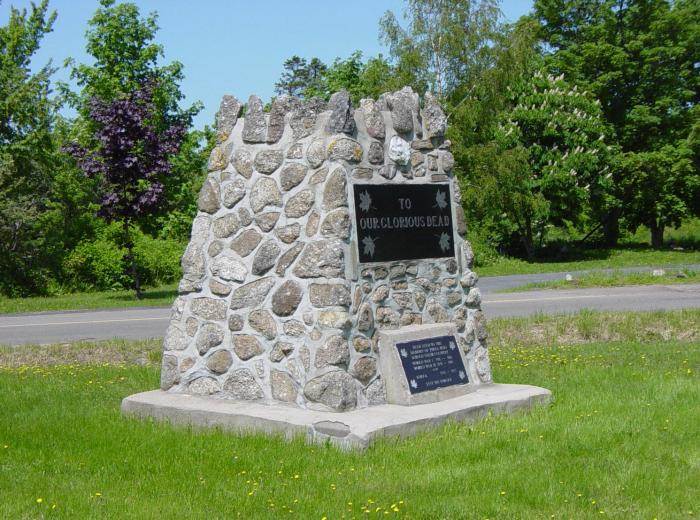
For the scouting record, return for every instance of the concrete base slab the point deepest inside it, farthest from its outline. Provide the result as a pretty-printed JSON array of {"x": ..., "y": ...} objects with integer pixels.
[{"x": 356, "y": 429}]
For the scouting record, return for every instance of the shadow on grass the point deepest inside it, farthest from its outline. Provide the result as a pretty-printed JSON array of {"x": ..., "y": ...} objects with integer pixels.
[
  {"x": 688, "y": 243},
  {"x": 557, "y": 252},
  {"x": 148, "y": 294}
]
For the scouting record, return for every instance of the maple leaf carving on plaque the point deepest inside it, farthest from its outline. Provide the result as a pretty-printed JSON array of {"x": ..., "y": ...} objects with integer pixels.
[
  {"x": 365, "y": 201},
  {"x": 444, "y": 242},
  {"x": 440, "y": 200},
  {"x": 368, "y": 243}
]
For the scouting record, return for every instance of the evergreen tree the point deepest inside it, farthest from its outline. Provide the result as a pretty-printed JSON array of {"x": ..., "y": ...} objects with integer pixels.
[{"x": 301, "y": 78}]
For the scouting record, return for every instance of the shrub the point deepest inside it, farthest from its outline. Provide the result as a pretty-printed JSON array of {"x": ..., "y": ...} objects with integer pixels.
[
  {"x": 96, "y": 265},
  {"x": 99, "y": 264},
  {"x": 158, "y": 259},
  {"x": 485, "y": 252}
]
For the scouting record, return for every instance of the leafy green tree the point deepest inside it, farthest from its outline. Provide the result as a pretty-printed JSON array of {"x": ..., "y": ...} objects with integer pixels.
[
  {"x": 478, "y": 66},
  {"x": 124, "y": 55},
  {"x": 640, "y": 59},
  {"x": 345, "y": 74},
  {"x": 660, "y": 188},
  {"x": 463, "y": 52},
  {"x": 71, "y": 204},
  {"x": 126, "y": 58},
  {"x": 186, "y": 179},
  {"x": 444, "y": 44},
  {"x": 360, "y": 78},
  {"x": 27, "y": 151},
  {"x": 379, "y": 76},
  {"x": 475, "y": 106},
  {"x": 131, "y": 160},
  {"x": 547, "y": 165}
]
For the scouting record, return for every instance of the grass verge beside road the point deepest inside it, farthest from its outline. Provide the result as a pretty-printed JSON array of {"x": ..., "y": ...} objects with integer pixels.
[
  {"x": 612, "y": 279},
  {"x": 620, "y": 439},
  {"x": 594, "y": 259},
  {"x": 164, "y": 296},
  {"x": 152, "y": 297},
  {"x": 682, "y": 249}
]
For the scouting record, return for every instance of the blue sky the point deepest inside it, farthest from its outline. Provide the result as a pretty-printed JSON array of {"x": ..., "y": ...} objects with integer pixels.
[{"x": 236, "y": 46}]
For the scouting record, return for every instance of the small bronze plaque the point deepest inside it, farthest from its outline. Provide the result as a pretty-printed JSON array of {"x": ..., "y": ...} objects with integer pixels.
[{"x": 432, "y": 363}]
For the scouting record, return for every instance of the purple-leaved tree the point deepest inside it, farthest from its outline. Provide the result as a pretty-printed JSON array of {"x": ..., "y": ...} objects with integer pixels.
[{"x": 133, "y": 144}]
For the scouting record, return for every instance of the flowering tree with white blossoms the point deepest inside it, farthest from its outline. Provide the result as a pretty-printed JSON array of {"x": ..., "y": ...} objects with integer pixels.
[{"x": 549, "y": 162}]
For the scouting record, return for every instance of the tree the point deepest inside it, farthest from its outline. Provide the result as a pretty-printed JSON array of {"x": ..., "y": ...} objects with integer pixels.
[
  {"x": 345, "y": 74},
  {"x": 476, "y": 106},
  {"x": 315, "y": 79},
  {"x": 126, "y": 56},
  {"x": 548, "y": 163},
  {"x": 188, "y": 173},
  {"x": 660, "y": 188},
  {"x": 446, "y": 43},
  {"x": 463, "y": 52},
  {"x": 640, "y": 59},
  {"x": 294, "y": 78},
  {"x": 301, "y": 78},
  {"x": 379, "y": 76},
  {"x": 315, "y": 82},
  {"x": 135, "y": 142},
  {"x": 27, "y": 151}
]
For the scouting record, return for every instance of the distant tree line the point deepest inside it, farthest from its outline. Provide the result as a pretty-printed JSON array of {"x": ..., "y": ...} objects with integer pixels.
[
  {"x": 579, "y": 122},
  {"x": 103, "y": 200},
  {"x": 580, "y": 118}
]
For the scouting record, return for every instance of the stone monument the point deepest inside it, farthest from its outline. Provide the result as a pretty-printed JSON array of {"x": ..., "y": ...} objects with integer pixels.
[{"x": 327, "y": 287}]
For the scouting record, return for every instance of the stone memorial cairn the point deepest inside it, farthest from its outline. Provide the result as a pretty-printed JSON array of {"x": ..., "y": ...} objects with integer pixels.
[{"x": 276, "y": 308}]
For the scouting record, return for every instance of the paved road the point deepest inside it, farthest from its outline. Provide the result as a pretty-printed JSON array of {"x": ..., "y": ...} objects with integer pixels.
[
  {"x": 635, "y": 298},
  {"x": 56, "y": 327}
]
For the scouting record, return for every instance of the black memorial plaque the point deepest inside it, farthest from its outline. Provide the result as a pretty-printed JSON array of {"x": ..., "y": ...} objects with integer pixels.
[
  {"x": 432, "y": 363},
  {"x": 403, "y": 221}
]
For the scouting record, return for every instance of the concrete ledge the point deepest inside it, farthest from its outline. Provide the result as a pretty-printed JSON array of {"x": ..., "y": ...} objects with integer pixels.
[{"x": 349, "y": 430}]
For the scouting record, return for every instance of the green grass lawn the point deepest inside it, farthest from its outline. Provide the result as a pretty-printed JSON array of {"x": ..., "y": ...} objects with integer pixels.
[
  {"x": 157, "y": 296},
  {"x": 620, "y": 439},
  {"x": 594, "y": 259},
  {"x": 613, "y": 279},
  {"x": 687, "y": 235},
  {"x": 682, "y": 248}
]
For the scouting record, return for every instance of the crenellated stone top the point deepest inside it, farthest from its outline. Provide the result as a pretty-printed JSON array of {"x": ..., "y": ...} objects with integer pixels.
[{"x": 274, "y": 303}]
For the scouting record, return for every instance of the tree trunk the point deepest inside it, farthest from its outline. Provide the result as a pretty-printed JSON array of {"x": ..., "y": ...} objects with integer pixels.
[
  {"x": 611, "y": 228},
  {"x": 131, "y": 261},
  {"x": 657, "y": 235},
  {"x": 528, "y": 242}
]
